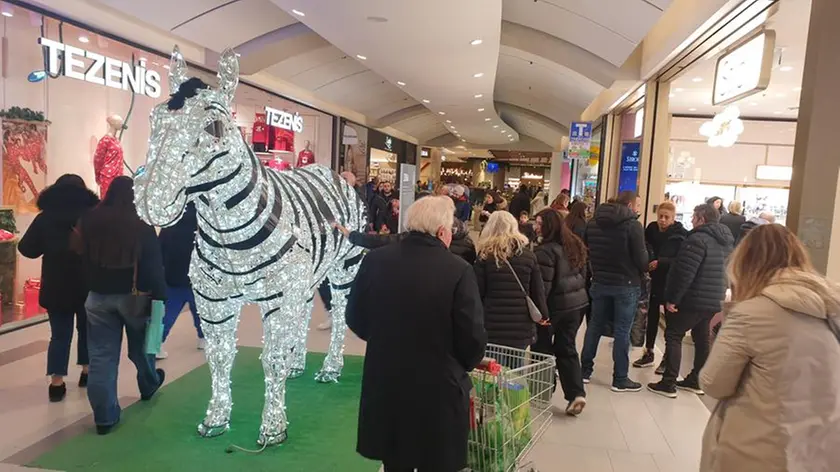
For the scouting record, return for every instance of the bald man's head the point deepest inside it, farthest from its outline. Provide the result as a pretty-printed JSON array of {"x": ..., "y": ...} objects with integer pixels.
[{"x": 349, "y": 177}]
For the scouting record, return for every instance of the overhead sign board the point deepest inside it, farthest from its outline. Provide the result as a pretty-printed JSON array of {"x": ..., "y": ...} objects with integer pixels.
[
  {"x": 745, "y": 68},
  {"x": 284, "y": 119},
  {"x": 580, "y": 139}
]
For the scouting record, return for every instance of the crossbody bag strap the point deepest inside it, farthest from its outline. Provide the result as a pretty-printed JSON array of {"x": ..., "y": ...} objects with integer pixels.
[
  {"x": 832, "y": 323},
  {"x": 521, "y": 287}
]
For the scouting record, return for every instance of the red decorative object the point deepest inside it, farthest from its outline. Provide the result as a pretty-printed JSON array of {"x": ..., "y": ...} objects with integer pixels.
[
  {"x": 278, "y": 164},
  {"x": 107, "y": 162},
  {"x": 305, "y": 158},
  {"x": 24, "y": 151},
  {"x": 260, "y": 130},
  {"x": 31, "y": 290},
  {"x": 5, "y": 235}
]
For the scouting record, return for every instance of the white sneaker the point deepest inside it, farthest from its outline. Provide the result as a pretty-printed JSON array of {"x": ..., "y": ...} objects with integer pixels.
[
  {"x": 202, "y": 343},
  {"x": 576, "y": 406},
  {"x": 325, "y": 325},
  {"x": 161, "y": 355}
]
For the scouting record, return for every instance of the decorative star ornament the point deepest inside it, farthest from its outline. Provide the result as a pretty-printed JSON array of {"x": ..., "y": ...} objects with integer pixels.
[{"x": 723, "y": 130}]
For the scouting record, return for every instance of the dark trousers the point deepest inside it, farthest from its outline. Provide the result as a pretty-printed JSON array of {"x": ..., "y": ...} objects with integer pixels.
[
  {"x": 565, "y": 352},
  {"x": 61, "y": 338},
  {"x": 676, "y": 325},
  {"x": 326, "y": 294},
  {"x": 617, "y": 304},
  {"x": 176, "y": 298},
  {"x": 653, "y": 321}
]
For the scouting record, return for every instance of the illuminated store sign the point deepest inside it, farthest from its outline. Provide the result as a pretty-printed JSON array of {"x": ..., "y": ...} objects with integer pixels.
[
  {"x": 103, "y": 70},
  {"x": 744, "y": 69},
  {"x": 530, "y": 176},
  {"x": 284, "y": 119}
]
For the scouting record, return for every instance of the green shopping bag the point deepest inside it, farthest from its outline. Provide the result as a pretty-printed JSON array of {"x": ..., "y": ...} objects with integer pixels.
[{"x": 154, "y": 330}]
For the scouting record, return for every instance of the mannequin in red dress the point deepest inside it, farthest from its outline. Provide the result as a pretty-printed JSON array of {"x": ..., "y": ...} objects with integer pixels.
[
  {"x": 306, "y": 156},
  {"x": 108, "y": 159}
]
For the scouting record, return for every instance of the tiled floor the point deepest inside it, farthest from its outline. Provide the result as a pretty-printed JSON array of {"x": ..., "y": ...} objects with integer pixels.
[{"x": 631, "y": 432}]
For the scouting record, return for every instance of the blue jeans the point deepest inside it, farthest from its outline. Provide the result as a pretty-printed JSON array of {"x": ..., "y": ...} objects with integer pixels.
[
  {"x": 616, "y": 304},
  {"x": 61, "y": 337},
  {"x": 107, "y": 316},
  {"x": 176, "y": 298}
]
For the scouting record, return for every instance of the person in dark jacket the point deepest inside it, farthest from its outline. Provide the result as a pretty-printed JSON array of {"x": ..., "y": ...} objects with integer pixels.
[
  {"x": 765, "y": 218},
  {"x": 489, "y": 207},
  {"x": 576, "y": 219},
  {"x": 463, "y": 209},
  {"x": 176, "y": 244},
  {"x": 520, "y": 202},
  {"x": 619, "y": 260},
  {"x": 377, "y": 212},
  {"x": 392, "y": 217},
  {"x": 734, "y": 219},
  {"x": 717, "y": 203},
  {"x": 420, "y": 355},
  {"x": 694, "y": 293},
  {"x": 664, "y": 238},
  {"x": 120, "y": 253},
  {"x": 562, "y": 259},
  {"x": 63, "y": 287},
  {"x": 526, "y": 228},
  {"x": 501, "y": 248},
  {"x": 462, "y": 245}
]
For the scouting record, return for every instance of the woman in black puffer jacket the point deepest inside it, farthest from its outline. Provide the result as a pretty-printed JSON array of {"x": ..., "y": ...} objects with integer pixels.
[
  {"x": 562, "y": 259},
  {"x": 462, "y": 245},
  {"x": 506, "y": 316}
]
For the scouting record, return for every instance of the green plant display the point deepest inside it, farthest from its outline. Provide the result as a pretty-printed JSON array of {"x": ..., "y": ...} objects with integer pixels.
[{"x": 26, "y": 114}]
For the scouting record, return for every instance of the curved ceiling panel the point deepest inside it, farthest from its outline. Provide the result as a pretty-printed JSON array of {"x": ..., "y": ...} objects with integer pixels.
[
  {"x": 530, "y": 72},
  {"x": 424, "y": 127},
  {"x": 610, "y": 29},
  {"x": 533, "y": 124},
  {"x": 451, "y": 76},
  {"x": 556, "y": 111}
]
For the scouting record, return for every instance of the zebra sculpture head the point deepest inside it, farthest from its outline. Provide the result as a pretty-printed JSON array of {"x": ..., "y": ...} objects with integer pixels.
[{"x": 191, "y": 137}]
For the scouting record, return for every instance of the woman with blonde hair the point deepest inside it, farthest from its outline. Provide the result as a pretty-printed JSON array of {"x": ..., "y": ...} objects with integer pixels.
[
  {"x": 504, "y": 261},
  {"x": 775, "y": 365}
]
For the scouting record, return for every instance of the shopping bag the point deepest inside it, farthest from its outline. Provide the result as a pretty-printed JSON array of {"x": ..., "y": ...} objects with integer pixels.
[{"x": 154, "y": 330}]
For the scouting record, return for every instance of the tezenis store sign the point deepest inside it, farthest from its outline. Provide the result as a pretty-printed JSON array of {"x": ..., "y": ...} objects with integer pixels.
[
  {"x": 102, "y": 71},
  {"x": 284, "y": 119}
]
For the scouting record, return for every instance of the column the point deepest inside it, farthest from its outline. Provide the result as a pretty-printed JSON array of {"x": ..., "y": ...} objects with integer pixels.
[
  {"x": 435, "y": 164},
  {"x": 656, "y": 138},
  {"x": 813, "y": 210},
  {"x": 555, "y": 184}
]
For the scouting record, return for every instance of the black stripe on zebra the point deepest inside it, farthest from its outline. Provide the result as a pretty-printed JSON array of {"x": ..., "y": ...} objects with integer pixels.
[
  {"x": 216, "y": 106},
  {"x": 283, "y": 250},
  {"x": 209, "y": 299},
  {"x": 294, "y": 196},
  {"x": 322, "y": 203},
  {"x": 270, "y": 312},
  {"x": 207, "y": 186},
  {"x": 330, "y": 189},
  {"x": 223, "y": 320},
  {"x": 210, "y": 162},
  {"x": 261, "y": 206},
  {"x": 319, "y": 219},
  {"x": 342, "y": 286},
  {"x": 269, "y": 298},
  {"x": 354, "y": 260},
  {"x": 280, "y": 184},
  {"x": 246, "y": 191}
]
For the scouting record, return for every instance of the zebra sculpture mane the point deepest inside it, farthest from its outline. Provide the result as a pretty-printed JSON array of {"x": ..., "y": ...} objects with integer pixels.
[{"x": 264, "y": 237}]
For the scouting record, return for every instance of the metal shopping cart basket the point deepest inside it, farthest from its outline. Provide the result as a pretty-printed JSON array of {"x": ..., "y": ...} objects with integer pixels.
[{"x": 509, "y": 407}]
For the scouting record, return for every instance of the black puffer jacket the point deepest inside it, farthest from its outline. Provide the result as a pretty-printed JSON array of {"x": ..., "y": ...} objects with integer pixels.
[
  {"x": 697, "y": 279},
  {"x": 734, "y": 223},
  {"x": 176, "y": 245},
  {"x": 462, "y": 245},
  {"x": 664, "y": 246},
  {"x": 506, "y": 315},
  {"x": 565, "y": 287},
  {"x": 63, "y": 285},
  {"x": 616, "y": 244}
]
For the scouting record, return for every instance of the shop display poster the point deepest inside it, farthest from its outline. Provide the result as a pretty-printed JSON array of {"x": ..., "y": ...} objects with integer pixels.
[
  {"x": 628, "y": 174},
  {"x": 580, "y": 139}
]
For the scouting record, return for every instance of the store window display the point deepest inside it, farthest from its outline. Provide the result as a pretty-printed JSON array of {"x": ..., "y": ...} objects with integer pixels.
[{"x": 108, "y": 160}]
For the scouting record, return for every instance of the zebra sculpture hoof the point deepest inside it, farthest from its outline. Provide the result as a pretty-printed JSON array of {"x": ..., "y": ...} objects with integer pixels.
[
  {"x": 327, "y": 376},
  {"x": 295, "y": 373},
  {"x": 212, "y": 431},
  {"x": 266, "y": 440}
]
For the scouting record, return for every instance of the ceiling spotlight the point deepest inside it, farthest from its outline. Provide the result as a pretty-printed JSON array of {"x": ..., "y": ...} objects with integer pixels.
[
  {"x": 476, "y": 42},
  {"x": 441, "y": 113},
  {"x": 478, "y": 75},
  {"x": 449, "y": 121},
  {"x": 495, "y": 126},
  {"x": 678, "y": 89},
  {"x": 463, "y": 140},
  {"x": 478, "y": 95},
  {"x": 487, "y": 119},
  {"x": 480, "y": 110},
  {"x": 84, "y": 39},
  {"x": 298, "y": 13},
  {"x": 786, "y": 68},
  {"x": 7, "y": 11},
  {"x": 426, "y": 101},
  {"x": 503, "y": 131},
  {"x": 401, "y": 84},
  {"x": 692, "y": 109},
  {"x": 361, "y": 57},
  {"x": 697, "y": 79}
]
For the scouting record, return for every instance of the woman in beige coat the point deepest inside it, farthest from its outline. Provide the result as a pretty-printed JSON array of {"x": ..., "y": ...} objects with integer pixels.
[{"x": 775, "y": 365}]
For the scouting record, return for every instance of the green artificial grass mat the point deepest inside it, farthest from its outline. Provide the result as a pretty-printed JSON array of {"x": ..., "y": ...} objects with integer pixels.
[{"x": 160, "y": 435}]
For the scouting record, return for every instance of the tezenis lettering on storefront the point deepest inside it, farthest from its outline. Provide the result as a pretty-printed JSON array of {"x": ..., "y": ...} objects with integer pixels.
[
  {"x": 102, "y": 70},
  {"x": 284, "y": 119}
]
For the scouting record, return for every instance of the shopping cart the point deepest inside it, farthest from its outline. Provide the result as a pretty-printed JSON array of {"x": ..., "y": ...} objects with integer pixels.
[{"x": 509, "y": 407}]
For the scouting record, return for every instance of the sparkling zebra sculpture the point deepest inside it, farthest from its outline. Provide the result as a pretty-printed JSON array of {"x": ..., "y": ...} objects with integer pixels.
[{"x": 264, "y": 237}]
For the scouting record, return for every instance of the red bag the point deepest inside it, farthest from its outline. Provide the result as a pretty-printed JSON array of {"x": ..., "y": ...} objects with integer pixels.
[{"x": 31, "y": 291}]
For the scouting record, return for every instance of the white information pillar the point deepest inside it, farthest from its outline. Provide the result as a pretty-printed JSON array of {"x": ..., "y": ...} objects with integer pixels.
[{"x": 555, "y": 181}]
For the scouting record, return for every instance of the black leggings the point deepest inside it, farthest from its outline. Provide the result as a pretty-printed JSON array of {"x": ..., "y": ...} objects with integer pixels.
[{"x": 652, "y": 322}]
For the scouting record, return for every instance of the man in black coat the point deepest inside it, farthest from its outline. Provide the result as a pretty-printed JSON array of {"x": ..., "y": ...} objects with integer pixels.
[
  {"x": 694, "y": 293},
  {"x": 414, "y": 411},
  {"x": 520, "y": 202},
  {"x": 619, "y": 260}
]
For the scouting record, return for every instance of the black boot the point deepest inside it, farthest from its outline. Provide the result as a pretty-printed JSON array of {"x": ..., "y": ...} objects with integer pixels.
[
  {"x": 83, "y": 379},
  {"x": 57, "y": 392}
]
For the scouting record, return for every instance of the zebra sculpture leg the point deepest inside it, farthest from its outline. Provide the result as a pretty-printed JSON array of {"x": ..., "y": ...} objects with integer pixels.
[
  {"x": 281, "y": 321},
  {"x": 299, "y": 355},
  {"x": 341, "y": 280},
  {"x": 219, "y": 321}
]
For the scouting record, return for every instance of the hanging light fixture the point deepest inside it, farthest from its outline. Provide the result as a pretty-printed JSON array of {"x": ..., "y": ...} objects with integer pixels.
[{"x": 723, "y": 130}]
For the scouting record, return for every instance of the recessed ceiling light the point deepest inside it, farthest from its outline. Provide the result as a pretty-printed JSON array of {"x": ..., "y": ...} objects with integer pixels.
[
  {"x": 503, "y": 131},
  {"x": 786, "y": 68},
  {"x": 478, "y": 95},
  {"x": 697, "y": 79},
  {"x": 480, "y": 110},
  {"x": 478, "y": 75},
  {"x": 426, "y": 101},
  {"x": 476, "y": 42},
  {"x": 797, "y": 89},
  {"x": 400, "y": 83},
  {"x": 361, "y": 57},
  {"x": 692, "y": 109},
  {"x": 7, "y": 13},
  {"x": 463, "y": 141},
  {"x": 487, "y": 119},
  {"x": 298, "y": 13},
  {"x": 84, "y": 39},
  {"x": 777, "y": 113},
  {"x": 449, "y": 121},
  {"x": 495, "y": 126},
  {"x": 441, "y": 113},
  {"x": 679, "y": 89}
]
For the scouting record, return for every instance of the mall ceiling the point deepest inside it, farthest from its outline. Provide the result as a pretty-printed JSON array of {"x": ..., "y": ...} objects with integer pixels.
[{"x": 508, "y": 74}]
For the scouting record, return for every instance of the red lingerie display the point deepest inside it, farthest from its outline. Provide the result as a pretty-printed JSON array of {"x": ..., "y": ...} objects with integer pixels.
[
  {"x": 260, "y": 130},
  {"x": 305, "y": 158},
  {"x": 107, "y": 162}
]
